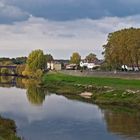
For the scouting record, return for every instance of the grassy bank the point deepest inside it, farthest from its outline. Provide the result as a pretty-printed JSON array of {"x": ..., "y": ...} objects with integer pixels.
[
  {"x": 7, "y": 130},
  {"x": 104, "y": 90},
  {"x": 117, "y": 83}
]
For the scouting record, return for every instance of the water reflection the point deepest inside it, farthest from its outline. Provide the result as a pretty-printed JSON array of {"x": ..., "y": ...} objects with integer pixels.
[
  {"x": 35, "y": 94},
  {"x": 127, "y": 124},
  {"x": 40, "y": 115},
  {"x": 7, "y": 81}
]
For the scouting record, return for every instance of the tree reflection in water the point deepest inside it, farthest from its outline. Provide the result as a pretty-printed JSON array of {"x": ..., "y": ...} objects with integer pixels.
[
  {"x": 7, "y": 81},
  {"x": 123, "y": 123},
  {"x": 35, "y": 94}
]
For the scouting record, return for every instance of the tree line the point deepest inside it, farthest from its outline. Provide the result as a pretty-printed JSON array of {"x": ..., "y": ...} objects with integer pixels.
[
  {"x": 35, "y": 64},
  {"x": 76, "y": 58},
  {"x": 123, "y": 48},
  {"x": 32, "y": 65}
]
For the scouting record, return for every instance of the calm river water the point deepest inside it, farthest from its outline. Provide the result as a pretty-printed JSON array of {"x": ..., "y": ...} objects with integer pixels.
[{"x": 40, "y": 115}]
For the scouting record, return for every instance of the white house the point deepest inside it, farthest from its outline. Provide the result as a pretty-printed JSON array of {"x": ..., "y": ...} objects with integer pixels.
[
  {"x": 54, "y": 66},
  {"x": 50, "y": 65},
  {"x": 89, "y": 65}
]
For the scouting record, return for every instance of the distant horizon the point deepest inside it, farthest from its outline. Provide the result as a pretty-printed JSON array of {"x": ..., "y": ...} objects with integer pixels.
[{"x": 82, "y": 58}]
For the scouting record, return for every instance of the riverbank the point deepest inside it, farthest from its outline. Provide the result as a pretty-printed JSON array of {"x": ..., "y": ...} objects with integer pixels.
[
  {"x": 104, "y": 90},
  {"x": 8, "y": 130}
]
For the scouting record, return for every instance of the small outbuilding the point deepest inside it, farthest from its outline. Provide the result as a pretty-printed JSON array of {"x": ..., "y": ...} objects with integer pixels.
[{"x": 54, "y": 66}]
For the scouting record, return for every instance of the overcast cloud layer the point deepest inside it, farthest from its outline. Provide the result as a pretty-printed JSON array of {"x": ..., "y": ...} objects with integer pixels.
[
  {"x": 75, "y": 9},
  {"x": 62, "y": 26}
]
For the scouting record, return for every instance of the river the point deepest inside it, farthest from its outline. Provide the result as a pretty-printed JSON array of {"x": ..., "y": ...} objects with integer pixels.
[{"x": 41, "y": 115}]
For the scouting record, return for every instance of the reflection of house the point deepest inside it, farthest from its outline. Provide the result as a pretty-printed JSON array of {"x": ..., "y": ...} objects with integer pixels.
[{"x": 54, "y": 66}]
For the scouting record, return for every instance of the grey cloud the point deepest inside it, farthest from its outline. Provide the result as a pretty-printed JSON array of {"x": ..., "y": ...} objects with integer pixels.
[
  {"x": 66, "y": 35},
  {"x": 10, "y": 13},
  {"x": 60, "y": 38},
  {"x": 63, "y": 10}
]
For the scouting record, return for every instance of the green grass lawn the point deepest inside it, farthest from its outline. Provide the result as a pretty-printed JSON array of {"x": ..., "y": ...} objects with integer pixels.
[
  {"x": 111, "y": 91},
  {"x": 98, "y": 81}
]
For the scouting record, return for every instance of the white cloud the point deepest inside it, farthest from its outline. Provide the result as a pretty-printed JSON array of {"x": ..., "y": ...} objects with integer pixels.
[{"x": 60, "y": 38}]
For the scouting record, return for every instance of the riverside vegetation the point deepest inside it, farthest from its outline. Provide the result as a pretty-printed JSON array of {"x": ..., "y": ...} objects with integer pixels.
[
  {"x": 112, "y": 91},
  {"x": 7, "y": 130}
]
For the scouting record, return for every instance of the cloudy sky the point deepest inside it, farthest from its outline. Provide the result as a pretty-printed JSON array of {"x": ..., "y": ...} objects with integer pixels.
[{"x": 61, "y": 27}]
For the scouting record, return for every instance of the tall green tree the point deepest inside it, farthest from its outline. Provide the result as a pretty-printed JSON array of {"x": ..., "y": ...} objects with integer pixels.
[
  {"x": 91, "y": 57},
  {"x": 123, "y": 47},
  {"x": 36, "y": 63},
  {"x": 36, "y": 60},
  {"x": 75, "y": 58},
  {"x": 49, "y": 57}
]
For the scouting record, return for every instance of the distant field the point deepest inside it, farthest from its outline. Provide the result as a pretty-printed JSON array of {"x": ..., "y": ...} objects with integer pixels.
[{"x": 117, "y": 83}]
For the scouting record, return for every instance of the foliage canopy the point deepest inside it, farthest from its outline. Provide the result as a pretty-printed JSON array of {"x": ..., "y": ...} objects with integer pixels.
[
  {"x": 123, "y": 47},
  {"x": 36, "y": 60},
  {"x": 91, "y": 57},
  {"x": 75, "y": 58}
]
